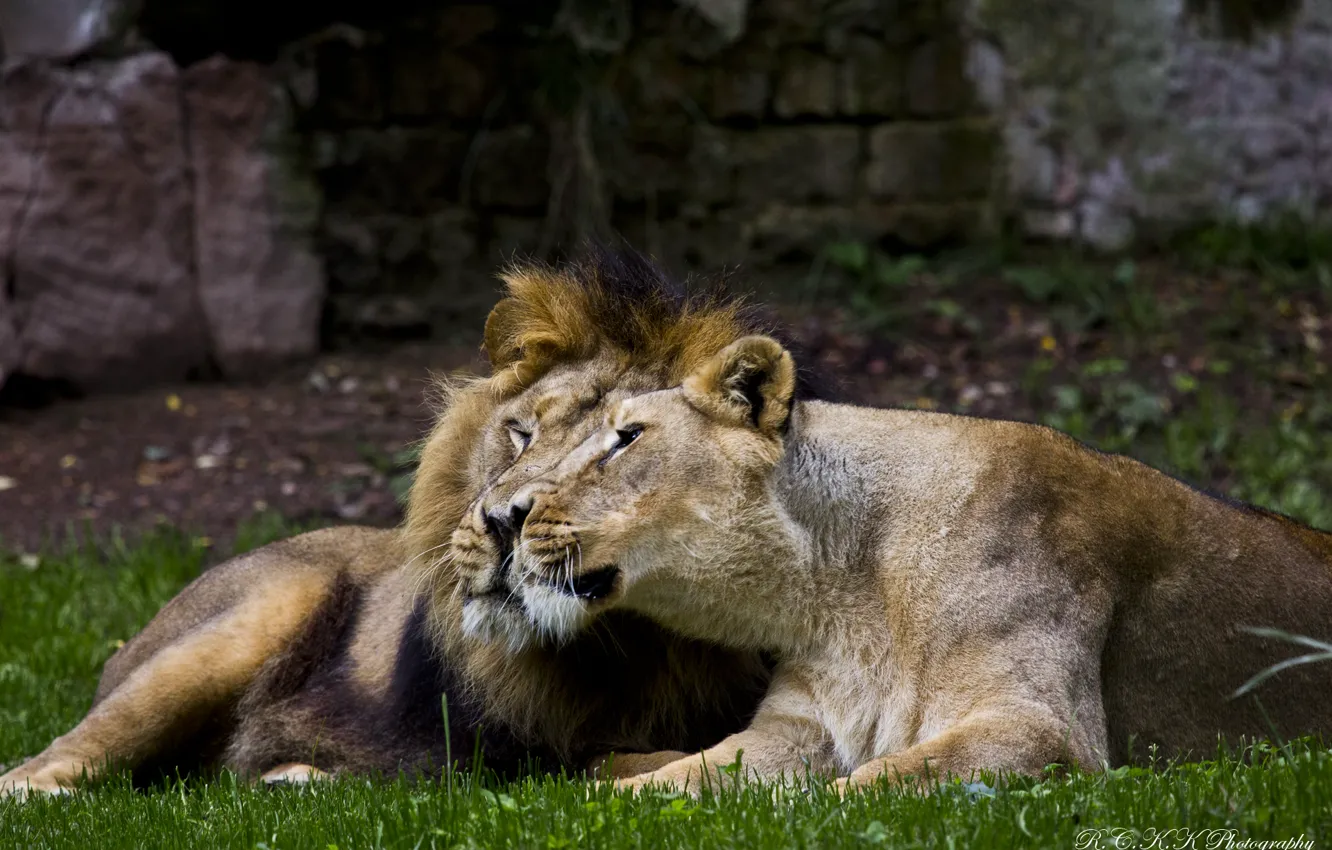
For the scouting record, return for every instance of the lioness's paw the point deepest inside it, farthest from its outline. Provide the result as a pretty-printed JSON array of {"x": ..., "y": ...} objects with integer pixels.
[{"x": 658, "y": 781}]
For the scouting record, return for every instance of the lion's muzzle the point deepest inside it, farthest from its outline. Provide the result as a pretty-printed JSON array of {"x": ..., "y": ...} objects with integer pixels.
[{"x": 596, "y": 584}]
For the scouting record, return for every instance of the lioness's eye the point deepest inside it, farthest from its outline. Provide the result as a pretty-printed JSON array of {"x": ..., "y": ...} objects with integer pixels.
[
  {"x": 521, "y": 439},
  {"x": 624, "y": 436},
  {"x": 627, "y": 435}
]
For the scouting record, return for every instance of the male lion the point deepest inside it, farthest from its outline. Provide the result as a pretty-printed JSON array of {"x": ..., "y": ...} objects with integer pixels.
[
  {"x": 941, "y": 592},
  {"x": 333, "y": 650}
]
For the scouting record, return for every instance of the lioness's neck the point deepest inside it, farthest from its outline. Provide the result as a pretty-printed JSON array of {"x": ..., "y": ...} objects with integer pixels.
[{"x": 781, "y": 574}]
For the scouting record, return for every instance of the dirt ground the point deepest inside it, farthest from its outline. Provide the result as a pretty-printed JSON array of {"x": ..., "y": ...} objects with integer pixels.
[{"x": 315, "y": 444}]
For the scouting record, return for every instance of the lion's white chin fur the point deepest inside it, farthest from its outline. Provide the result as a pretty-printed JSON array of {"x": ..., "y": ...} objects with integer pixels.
[
  {"x": 490, "y": 621},
  {"x": 557, "y": 616},
  {"x": 546, "y": 616}
]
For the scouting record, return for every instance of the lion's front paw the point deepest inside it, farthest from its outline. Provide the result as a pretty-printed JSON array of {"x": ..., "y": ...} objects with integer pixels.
[{"x": 293, "y": 774}]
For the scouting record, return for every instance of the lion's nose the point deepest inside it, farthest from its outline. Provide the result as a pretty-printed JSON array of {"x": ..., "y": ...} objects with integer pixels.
[
  {"x": 519, "y": 509},
  {"x": 502, "y": 531}
]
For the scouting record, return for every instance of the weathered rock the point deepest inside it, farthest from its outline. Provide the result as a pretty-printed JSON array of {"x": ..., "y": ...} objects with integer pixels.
[
  {"x": 59, "y": 29},
  {"x": 153, "y": 223},
  {"x": 94, "y": 183},
  {"x": 260, "y": 284},
  {"x": 926, "y": 162}
]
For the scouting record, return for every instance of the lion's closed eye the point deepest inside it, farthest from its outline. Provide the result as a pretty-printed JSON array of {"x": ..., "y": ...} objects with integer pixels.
[{"x": 519, "y": 436}]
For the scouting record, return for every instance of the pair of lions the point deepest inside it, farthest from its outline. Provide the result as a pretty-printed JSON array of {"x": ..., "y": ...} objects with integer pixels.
[{"x": 609, "y": 534}]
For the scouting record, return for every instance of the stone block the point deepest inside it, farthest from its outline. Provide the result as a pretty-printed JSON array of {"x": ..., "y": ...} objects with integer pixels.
[
  {"x": 349, "y": 87},
  {"x": 986, "y": 71},
  {"x": 60, "y": 29},
  {"x": 154, "y": 221},
  {"x": 463, "y": 24},
  {"x": 1104, "y": 226},
  {"x": 395, "y": 169},
  {"x": 872, "y": 82},
  {"x": 427, "y": 82},
  {"x": 1054, "y": 225},
  {"x": 783, "y": 232},
  {"x": 936, "y": 225},
  {"x": 451, "y": 239},
  {"x": 510, "y": 169},
  {"x": 513, "y": 237},
  {"x": 936, "y": 83},
  {"x": 740, "y": 93},
  {"x": 396, "y": 253},
  {"x": 260, "y": 283},
  {"x": 1033, "y": 166},
  {"x": 11, "y": 354},
  {"x": 796, "y": 163},
  {"x": 933, "y": 161},
  {"x": 709, "y": 174},
  {"x": 95, "y": 202},
  {"x": 806, "y": 86}
]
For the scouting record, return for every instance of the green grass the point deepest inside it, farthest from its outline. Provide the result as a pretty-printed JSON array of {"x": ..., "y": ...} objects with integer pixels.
[{"x": 60, "y": 621}]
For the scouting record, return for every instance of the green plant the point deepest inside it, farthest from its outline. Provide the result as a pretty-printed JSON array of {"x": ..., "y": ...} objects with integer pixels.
[{"x": 881, "y": 293}]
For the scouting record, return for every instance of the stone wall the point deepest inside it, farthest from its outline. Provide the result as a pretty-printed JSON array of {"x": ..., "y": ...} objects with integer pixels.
[
  {"x": 450, "y": 140},
  {"x": 1125, "y": 119},
  {"x": 181, "y": 184}
]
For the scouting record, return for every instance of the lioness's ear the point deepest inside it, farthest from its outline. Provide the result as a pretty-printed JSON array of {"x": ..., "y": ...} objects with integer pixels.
[
  {"x": 500, "y": 336},
  {"x": 751, "y": 381}
]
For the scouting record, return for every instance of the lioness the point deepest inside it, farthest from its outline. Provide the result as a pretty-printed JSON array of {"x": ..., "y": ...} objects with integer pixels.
[
  {"x": 331, "y": 651},
  {"x": 942, "y": 593}
]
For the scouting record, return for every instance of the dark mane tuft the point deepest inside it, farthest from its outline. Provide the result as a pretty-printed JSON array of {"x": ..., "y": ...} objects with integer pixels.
[{"x": 617, "y": 298}]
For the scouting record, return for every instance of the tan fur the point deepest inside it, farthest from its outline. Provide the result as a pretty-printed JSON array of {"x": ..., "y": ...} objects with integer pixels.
[
  {"x": 943, "y": 593},
  {"x": 226, "y": 656}
]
